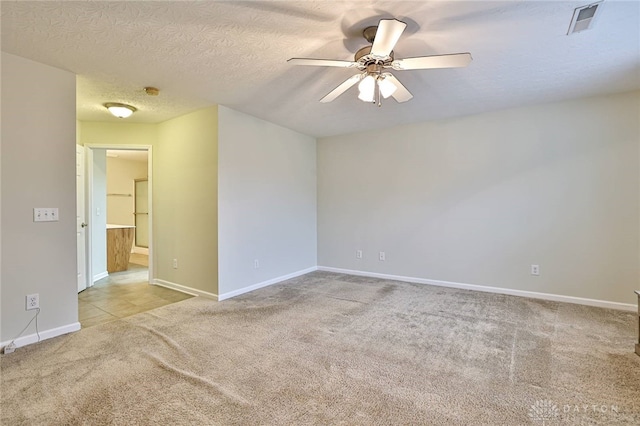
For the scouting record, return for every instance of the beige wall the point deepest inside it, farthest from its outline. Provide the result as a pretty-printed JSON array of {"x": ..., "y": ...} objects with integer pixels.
[
  {"x": 185, "y": 197},
  {"x": 479, "y": 199},
  {"x": 185, "y": 153},
  {"x": 38, "y": 170},
  {"x": 121, "y": 174},
  {"x": 267, "y": 201},
  {"x": 118, "y": 133}
]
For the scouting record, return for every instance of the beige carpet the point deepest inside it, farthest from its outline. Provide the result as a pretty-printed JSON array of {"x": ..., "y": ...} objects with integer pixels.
[{"x": 335, "y": 349}]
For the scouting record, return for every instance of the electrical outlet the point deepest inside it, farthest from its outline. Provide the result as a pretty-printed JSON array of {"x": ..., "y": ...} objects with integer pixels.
[
  {"x": 175, "y": 263},
  {"x": 10, "y": 348},
  {"x": 33, "y": 301},
  {"x": 256, "y": 264},
  {"x": 382, "y": 256},
  {"x": 535, "y": 270},
  {"x": 358, "y": 254}
]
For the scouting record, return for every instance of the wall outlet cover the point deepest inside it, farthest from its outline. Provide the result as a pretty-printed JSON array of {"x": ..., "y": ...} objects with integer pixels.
[{"x": 32, "y": 301}]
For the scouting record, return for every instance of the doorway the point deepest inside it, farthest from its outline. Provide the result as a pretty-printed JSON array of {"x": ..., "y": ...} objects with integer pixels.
[
  {"x": 112, "y": 171},
  {"x": 116, "y": 286}
]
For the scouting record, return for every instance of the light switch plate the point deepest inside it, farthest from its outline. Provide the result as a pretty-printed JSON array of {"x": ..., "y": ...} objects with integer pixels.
[{"x": 45, "y": 214}]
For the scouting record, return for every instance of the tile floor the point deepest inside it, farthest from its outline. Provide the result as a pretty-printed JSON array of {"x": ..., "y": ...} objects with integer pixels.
[{"x": 122, "y": 294}]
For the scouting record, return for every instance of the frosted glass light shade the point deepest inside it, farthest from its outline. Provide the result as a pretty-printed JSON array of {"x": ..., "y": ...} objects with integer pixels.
[
  {"x": 120, "y": 110},
  {"x": 387, "y": 88},
  {"x": 367, "y": 88}
]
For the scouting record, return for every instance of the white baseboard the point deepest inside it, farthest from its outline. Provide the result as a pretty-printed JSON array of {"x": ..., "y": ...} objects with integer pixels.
[
  {"x": 44, "y": 335},
  {"x": 487, "y": 289},
  {"x": 100, "y": 276},
  {"x": 140, "y": 250},
  {"x": 184, "y": 289},
  {"x": 272, "y": 281}
]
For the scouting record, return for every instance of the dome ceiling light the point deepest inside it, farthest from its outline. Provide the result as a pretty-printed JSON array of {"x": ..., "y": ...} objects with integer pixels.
[{"x": 120, "y": 110}]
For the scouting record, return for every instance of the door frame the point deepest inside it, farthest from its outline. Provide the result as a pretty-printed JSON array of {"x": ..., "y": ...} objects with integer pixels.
[
  {"x": 82, "y": 165},
  {"x": 89, "y": 147}
]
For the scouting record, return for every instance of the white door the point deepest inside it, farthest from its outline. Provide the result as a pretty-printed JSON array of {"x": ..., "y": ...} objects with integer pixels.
[{"x": 80, "y": 219}]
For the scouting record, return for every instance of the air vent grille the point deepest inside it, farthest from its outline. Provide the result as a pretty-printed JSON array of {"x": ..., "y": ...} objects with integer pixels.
[{"x": 583, "y": 18}]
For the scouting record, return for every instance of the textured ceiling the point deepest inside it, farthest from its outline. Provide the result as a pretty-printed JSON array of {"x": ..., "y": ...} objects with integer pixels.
[{"x": 234, "y": 53}]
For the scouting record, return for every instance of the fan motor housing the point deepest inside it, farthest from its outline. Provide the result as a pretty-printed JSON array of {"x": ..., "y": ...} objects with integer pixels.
[
  {"x": 362, "y": 52},
  {"x": 363, "y": 56},
  {"x": 369, "y": 33}
]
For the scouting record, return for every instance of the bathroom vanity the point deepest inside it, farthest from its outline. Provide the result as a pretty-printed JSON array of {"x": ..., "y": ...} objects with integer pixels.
[{"x": 119, "y": 245}]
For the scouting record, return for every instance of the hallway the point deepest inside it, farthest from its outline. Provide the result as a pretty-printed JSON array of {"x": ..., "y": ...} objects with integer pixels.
[{"x": 123, "y": 294}]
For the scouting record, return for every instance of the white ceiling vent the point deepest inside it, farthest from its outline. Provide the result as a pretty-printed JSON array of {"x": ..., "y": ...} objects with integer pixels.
[{"x": 583, "y": 17}]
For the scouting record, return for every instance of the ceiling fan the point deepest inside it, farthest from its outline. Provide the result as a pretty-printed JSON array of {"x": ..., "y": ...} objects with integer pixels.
[{"x": 373, "y": 61}]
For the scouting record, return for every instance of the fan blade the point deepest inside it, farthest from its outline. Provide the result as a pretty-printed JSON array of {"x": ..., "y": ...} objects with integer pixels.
[
  {"x": 346, "y": 85},
  {"x": 322, "y": 62},
  {"x": 387, "y": 35},
  {"x": 401, "y": 94},
  {"x": 456, "y": 60}
]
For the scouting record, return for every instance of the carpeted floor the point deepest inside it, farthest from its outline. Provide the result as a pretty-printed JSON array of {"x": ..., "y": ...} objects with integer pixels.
[{"x": 335, "y": 349}]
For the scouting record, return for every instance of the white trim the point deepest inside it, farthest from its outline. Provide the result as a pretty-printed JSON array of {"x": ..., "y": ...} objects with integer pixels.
[
  {"x": 487, "y": 289},
  {"x": 151, "y": 248},
  {"x": 44, "y": 335},
  {"x": 184, "y": 289},
  {"x": 243, "y": 290},
  {"x": 81, "y": 151},
  {"x": 88, "y": 207},
  {"x": 140, "y": 250},
  {"x": 100, "y": 276}
]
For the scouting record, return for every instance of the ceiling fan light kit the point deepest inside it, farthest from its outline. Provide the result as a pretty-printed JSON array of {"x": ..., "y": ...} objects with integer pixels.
[{"x": 374, "y": 83}]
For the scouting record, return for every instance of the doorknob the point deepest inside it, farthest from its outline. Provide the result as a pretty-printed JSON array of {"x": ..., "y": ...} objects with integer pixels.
[{"x": 84, "y": 225}]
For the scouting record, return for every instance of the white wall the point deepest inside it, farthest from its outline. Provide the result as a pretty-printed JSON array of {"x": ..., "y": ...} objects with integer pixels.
[
  {"x": 479, "y": 199},
  {"x": 267, "y": 201},
  {"x": 98, "y": 224},
  {"x": 38, "y": 170},
  {"x": 121, "y": 174}
]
